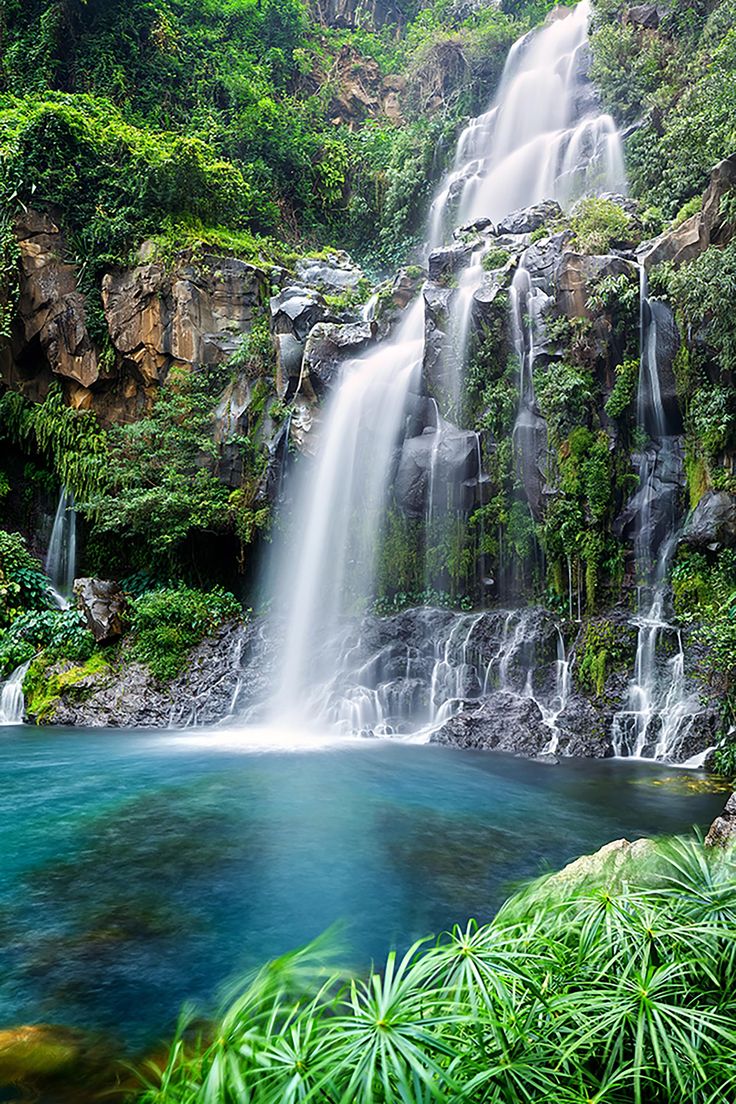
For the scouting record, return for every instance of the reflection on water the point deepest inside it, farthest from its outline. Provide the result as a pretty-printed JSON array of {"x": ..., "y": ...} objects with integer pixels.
[{"x": 143, "y": 870}]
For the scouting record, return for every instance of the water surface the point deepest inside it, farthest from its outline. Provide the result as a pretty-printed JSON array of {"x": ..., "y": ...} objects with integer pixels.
[{"x": 141, "y": 870}]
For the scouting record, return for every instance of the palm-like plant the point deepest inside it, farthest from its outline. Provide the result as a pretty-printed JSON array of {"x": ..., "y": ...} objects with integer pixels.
[{"x": 611, "y": 990}]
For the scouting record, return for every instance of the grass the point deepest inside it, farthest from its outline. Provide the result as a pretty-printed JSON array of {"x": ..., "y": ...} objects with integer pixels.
[{"x": 615, "y": 989}]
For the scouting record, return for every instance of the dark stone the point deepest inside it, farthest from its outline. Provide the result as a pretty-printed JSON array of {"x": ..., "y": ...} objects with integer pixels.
[
  {"x": 722, "y": 831},
  {"x": 665, "y": 408},
  {"x": 450, "y": 258},
  {"x": 654, "y": 509},
  {"x": 646, "y": 15},
  {"x": 528, "y": 219},
  {"x": 103, "y": 605},
  {"x": 531, "y": 446},
  {"x": 332, "y": 274},
  {"x": 502, "y": 722},
  {"x": 289, "y": 356},
  {"x": 712, "y": 524},
  {"x": 454, "y": 457},
  {"x": 295, "y": 310}
]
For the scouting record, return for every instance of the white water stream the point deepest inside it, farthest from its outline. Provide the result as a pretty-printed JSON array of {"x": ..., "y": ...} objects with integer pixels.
[
  {"x": 12, "y": 704},
  {"x": 62, "y": 554}
]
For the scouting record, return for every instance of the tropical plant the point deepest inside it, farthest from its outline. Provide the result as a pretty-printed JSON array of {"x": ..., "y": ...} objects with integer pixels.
[{"x": 617, "y": 987}]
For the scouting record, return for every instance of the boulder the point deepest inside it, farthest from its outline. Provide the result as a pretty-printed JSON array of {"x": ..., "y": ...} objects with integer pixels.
[
  {"x": 295, "y": 310},
  {"x": 576, "y": 276},
  {"x": 103, "y": 605},
  {"x": 450, "y": 258},
  {"x": 528, "y": 219},
  {"x": 722, "y": 832},
  {"x": 712, "y": 524},
  {"x": 328, "y": 346},
  {"x": 647, "y": 16},
  {"x": 332, "y": 273},
  {"x": 289, "y": 357},
  {"x": 706, "y": 227},
  {"x": 448, "y": 457},
  {"x": 501, "y": 722}
]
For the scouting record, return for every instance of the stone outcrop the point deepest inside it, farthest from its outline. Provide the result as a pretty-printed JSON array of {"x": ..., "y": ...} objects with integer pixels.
[
  {"x": 103, "y": 606},
  {"x": 712, "y": 524},
  {"x": 529, "y": 219},
  {"x": 503, "y": 722},
  {"x": 52, "y": 310},
  {"x": 706, "y": 227},
  {"x": 722, "y": 832},
  {"x": 331, "y": 273},
  {"x": 576, "y": 275},
  {"x": 192, "y": 314},
  {"x": 329, "y": 346}
]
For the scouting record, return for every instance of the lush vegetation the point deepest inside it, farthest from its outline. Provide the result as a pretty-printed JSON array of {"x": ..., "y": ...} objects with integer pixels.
[
  {"x": 615, "y": 988},
  {"x": 167, "y": 623}
]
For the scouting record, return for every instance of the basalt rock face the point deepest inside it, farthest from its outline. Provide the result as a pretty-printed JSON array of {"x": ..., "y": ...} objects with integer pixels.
[
  {"x": 706, "y": 227},
  {"x": 190, "y": 313},
  {"x": 126, "y": 695},
  {"x": 712, "y": 524},
  {"x": 52, "y": 323},
  {"x": 193, "y": 314}
]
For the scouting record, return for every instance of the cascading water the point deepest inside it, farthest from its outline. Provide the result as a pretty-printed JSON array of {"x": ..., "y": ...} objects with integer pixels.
[
  {"x": 12, "y": 703},
  {"x": 543, "y": 138},
  {"x": 62, "y": 554},
  {"x": 660, "y": 708},
  {"x": 340, "y": 518}
]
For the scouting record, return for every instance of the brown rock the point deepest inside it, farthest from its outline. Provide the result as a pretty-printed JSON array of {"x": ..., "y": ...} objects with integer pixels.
[
  {"x": 103, "y": 605},
  {"x": 577, "y": 273},
  {"x": 51, "y": 308}
]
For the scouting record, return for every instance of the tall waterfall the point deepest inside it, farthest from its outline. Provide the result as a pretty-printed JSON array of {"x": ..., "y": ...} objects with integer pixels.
[
  {"x": 62, "y": 554},
  {"x": 660, "y": 707},
  {"x": 543, "y": 138},
  {"x": 341, "y": 503}
]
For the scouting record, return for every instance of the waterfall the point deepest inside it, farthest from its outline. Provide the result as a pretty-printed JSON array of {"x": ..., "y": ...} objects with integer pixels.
[
  {"x": 12, "y": 703},
  {"x": 542, "y": 138},
  {"x": 340, "y": 510},
  {"x": 660, "y": 709},
  {"x": 62, "y": 553}
]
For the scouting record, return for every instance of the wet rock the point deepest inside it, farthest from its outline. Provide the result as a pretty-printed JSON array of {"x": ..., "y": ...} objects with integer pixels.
[
  {"x": 103, "y": 606},
  {"x": 126, "y": 695},
  {"x": 531, "y": 442},
  {"x": 722, "y": 832},
  {"x": 452, "y": 454},
  {"x": 542, "y": 260},
  {"x": 450, "y": 258},
  {"x": 328, "y": 346},
  {"x": 289, "y": 357},
  {"x": 712, "y": 524},
  {"x": 529, "y": 219},
  {"x": 585, "y": 729},
  {"x": 331, "y": 274},
  {"x": 295, "y": 310},
  {"x": 502, "y": 722},
  {"x": 664, "y": 405},
  {"x": 651, "y": 509}
]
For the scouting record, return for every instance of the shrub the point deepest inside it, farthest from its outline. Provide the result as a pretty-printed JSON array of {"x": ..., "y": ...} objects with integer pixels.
[
  {"x": 60, "y": 634},
  {"x": 624, "y": 389},
  {"x": 168, "y": 623},
  {"x": 599, "y": 224},
  {"x": 23, "y": 585}
]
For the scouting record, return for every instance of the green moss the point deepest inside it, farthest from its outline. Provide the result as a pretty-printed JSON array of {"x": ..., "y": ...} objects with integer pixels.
[
  {"x": 43, "y": 686},
  {"x": 607, "y": 646}
]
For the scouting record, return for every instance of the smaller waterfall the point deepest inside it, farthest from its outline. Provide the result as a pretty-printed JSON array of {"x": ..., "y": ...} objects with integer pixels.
[
  {"x": 62, "y": 554},
  {"x": 12, "y": 703},
  {"x": 660, "y": 709}
]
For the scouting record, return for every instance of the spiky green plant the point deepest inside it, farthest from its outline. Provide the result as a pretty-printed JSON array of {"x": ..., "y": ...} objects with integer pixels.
[{"x": 616, "y": 988}]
